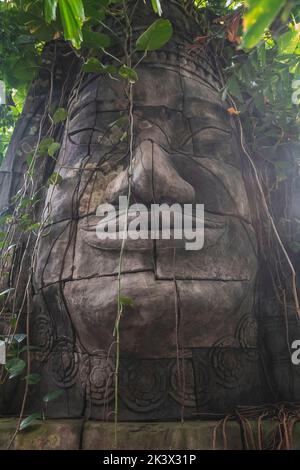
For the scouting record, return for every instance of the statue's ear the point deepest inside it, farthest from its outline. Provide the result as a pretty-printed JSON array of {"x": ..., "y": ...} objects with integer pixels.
[{"x": 22, "y": 144}]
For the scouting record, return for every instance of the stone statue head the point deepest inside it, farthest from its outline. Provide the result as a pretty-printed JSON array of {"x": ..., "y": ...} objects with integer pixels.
[{"x": 188, "y": 335}]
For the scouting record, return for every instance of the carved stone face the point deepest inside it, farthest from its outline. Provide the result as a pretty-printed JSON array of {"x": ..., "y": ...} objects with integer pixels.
[{"x": 189, "y": 338}]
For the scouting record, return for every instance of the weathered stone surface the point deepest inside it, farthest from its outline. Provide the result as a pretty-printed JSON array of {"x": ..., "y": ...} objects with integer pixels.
[
  {"x": 7, "y": 429},
  {"x": 48, "y": 435},
  {"x": 76, "y": 434},
  {"x": 79, "y": 193},
  {"x": 93, "y": 259},
  {"x": 55, "y": 253},
  {"x": 222, "y": 258},
  {"x": 154, "y": 178},
  {"x": 203, "y": 304},
  {"x": 153, "y": 91},
  {"x": 218, "y": 186},
  {"x": 190, "y": 336},
  {"x": 260, "y": 434},
  {"x": 198, "y": 435},
  {"x": 66, "y": 435},
  {"x": 92, "y": 304},
  {"x": 295, "y": 436}
]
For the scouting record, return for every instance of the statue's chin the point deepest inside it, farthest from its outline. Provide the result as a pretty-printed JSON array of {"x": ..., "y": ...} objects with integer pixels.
[{"x": 165, "y": 313}]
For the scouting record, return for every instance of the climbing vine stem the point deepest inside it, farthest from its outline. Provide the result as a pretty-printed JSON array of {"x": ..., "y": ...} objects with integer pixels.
[{"x": 120, "y": 306}]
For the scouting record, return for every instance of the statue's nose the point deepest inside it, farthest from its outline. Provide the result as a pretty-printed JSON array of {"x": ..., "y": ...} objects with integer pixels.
[{"x": 153, "y": 178}]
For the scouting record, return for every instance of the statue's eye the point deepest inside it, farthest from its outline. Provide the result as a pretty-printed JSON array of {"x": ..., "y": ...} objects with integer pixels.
[{"x": 208, "y": 135}]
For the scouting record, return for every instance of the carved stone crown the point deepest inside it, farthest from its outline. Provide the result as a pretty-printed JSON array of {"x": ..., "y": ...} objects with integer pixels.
[{"x": 196, "y": 63}]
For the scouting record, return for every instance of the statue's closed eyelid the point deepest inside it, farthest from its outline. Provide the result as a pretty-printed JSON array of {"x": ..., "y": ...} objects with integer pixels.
[{"x": 219, "y": 135}]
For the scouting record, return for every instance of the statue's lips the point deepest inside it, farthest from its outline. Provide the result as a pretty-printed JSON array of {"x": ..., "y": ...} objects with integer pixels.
[
  {"x": 213, "y": 232},
  {"x": 226, "y": 240}
]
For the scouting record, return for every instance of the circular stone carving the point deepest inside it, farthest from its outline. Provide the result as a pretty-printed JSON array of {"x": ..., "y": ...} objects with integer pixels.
[
  {"x": 42, "y": 337},
  {"x": 182, "y": 383},
  {"x": 227, "y": 360},
  {"x": 143, "y": 385},
  {"x": 97, "y": 377},
  {"x": 64, "y": 363},
  {"x": 246, "y": 335}
]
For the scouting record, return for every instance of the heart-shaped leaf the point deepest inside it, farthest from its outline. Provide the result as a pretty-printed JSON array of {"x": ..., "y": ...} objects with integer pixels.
[
  {"x": 94, "y": 39},
  {"x": 156, "y": 36},
  {"x": 54, "y": 147},
  {"x": 128, "y": 73},
  {"x": 60, "y": 115}
]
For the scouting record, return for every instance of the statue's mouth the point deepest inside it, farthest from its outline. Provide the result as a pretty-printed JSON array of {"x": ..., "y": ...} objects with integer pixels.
[
  {"x": 142, "y": 240},
  {"x": 221, "y": 258}
]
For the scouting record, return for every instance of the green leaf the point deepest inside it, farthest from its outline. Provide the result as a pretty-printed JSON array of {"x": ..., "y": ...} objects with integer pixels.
[
  {"x": 261, "y": 54},
  {"x": 93, "y": 15},
  {"x": 55, "y": 179},
  {"x": 72, "y": 17},
  {"x": 44, "y": 33},
  {"x": 24, "y": 70},
  {"x": 30, "y": 420},
  {"x": 94, "y": 39},
  {"x": 50, "y": 10},
  {"x": 53, "y": 148},
  {"x": 13, "y": 322},
  {"x": 60, "y": 115},
  {"x": 93, "y": 65},
  {"x": 288, "y": 42},
  {"x": 6, "y": 291},
  {"x": 297, "y": 71},
  {"x": 156, "y": 36},
  {"x": 156, "y": 7},
  {"x": 126, "y": 301},
  {"x": 128, "y": 73},
  {"x": 44, "y": 145},
  {"x": 53, "y": 395},
  {"x": 15, "y": 367},
  {"x": 260, "y": 15},
  {"x": 33, "y": 227},
  {"x": 234, "y": 88},
  {"x": 33, "y": 379}
]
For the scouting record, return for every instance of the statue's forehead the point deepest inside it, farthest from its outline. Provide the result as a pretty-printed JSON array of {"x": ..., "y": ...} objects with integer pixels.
[{"x": 157, "y": 87}]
